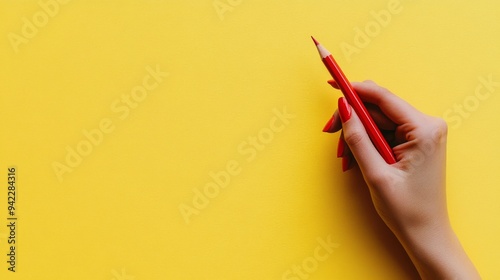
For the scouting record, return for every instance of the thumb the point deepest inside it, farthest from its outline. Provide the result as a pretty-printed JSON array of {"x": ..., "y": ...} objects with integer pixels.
[{"x": 368, "y": 158}]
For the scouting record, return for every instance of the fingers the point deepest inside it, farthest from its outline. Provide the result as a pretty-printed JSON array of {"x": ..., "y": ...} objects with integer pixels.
[
  {"x": 390, "y": 113},
  {"x": 344, "y": 153},
  {"x": 358, "y": 141},
  {"x": 334, "y": 124},
  {"x": 342, "y": 148},
  {"x": 334, "y": 84},
  {"x": 382, "y": 121},
  {"x": 395, "y": 108}
]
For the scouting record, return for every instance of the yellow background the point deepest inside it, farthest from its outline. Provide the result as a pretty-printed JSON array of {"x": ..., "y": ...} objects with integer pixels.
[{"x": 231, "y": 67}]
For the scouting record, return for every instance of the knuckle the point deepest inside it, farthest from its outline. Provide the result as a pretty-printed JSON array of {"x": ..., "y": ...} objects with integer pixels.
[
  {"x": 441, "y": 125},
  {"x": 432, "y": 128},
  {"x": 439, "y": 130}
]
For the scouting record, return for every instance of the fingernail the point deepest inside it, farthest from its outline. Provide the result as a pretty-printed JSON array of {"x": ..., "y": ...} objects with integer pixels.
[
  {"x": 333, "y": 84},
  {"x": 344, "y": 110},
  {"x": 340, "y": 147},
  {"x": 346, "y": 162},
  {"x": 329, "y": 125}
]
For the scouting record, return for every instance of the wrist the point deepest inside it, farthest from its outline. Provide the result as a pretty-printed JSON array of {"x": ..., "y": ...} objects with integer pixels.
[{"x": 437, "y": 253}]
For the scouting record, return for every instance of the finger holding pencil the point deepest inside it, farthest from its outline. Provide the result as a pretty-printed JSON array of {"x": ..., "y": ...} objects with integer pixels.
[
  {"x": 353, "y": 100},
  {"x": 409, "y": 195}
]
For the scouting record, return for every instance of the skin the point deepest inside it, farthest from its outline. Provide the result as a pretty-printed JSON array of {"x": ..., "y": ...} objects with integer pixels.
[{"x": 410, "y": 195}]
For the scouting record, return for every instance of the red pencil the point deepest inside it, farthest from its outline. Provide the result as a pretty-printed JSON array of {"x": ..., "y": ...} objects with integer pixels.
[{"x": 352, "y": 97}]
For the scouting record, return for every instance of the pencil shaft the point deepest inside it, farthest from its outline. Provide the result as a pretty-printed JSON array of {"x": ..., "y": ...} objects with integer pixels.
[{"x": 352, "y": 97}]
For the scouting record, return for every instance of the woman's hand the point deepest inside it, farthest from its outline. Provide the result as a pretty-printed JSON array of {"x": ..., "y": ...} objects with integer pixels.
[{"x": 409, "y": 195}]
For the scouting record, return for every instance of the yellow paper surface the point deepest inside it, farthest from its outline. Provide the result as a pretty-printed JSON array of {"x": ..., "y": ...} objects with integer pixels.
[{"x": 163, "y": 139}]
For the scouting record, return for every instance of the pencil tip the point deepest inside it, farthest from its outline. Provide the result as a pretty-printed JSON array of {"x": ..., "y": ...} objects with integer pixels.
[{"x": 315, "y": 42}]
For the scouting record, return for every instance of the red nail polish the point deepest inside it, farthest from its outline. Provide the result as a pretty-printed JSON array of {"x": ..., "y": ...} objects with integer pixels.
[
  {"x": 344, "y": 110},
  {"x": 346, "y": 163},
  {"x": 329, "y": 125},
  {"x": 341, "y": 147},
  {"x": 333, "y": 84}
]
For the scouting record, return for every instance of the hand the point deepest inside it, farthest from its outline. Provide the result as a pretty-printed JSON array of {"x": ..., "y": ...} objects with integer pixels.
[{"x": 409, "y": 195}]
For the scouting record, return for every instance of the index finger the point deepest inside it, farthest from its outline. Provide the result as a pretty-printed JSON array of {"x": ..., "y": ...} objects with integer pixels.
[{"x": 395, "y": 108}]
